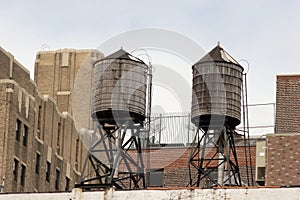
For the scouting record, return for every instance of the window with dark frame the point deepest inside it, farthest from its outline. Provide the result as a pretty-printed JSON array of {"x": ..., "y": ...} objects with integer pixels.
[
  {"x": 39, "y": 122},
  {"x": 15, "y": 169},
  {"x": 25, "y": 135},
  {"x": 58, "y": 138},
  {"x": 260, "y": 173},
  {"x": 57, "y": 179},
  {"x": 37, "y": 163},
  {"x": 76, "y": 153},
  {"x": 67, "y": 188},
  {"x": 48, "y": 171},
  {"x": 23, "y": 174},
  {"x": 18, "y": 129}
]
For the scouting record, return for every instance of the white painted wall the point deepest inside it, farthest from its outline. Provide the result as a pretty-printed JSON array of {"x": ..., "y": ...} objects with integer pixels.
[{"x": 183, "y": 194}]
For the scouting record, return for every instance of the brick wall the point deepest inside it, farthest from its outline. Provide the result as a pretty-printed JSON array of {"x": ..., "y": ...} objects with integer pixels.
[
  {"x": 4, "y": 102},
  {"x": 283, "y": 160},
  {"x": 55, "y": 73},
  {"x": 5, "y": 64},
  {"x": 20, "y": 100},
  {"x": 287, "y": 104},
  {"x": 174, "y": 162}
]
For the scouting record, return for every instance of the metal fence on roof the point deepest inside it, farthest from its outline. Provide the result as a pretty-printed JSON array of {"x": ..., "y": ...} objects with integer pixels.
[
  {"x": 177, "y": 128},
  {"x": 171, "y": 128}
]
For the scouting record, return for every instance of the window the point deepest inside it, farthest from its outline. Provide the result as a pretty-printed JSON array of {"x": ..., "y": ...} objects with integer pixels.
[
  {"x": 67, "y": 188},
  {"x": 37, "y": 163},
  {"x": 15, "y": 169},
  {"x": 260, "y": 173},
  {"x": 156, "y": 178},
  {"x": 57, "y": 179},
  {"x": 76, "y": 153},
  {"x": 18, "y": 129},
  {"x": 58, "y": 138},
  {"x": 25, "y": 135},
  {"x": 39, "y": 122},
  {"x": 23, "y": 174},
  {"x": 48, "y": 171},
  {"x": 260, "y": 176}
]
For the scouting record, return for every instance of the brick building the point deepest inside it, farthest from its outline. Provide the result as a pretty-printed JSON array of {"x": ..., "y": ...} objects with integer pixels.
[
  {"x": 287, "y": 104},
  {"x": 169, "y": 165},
  {"x": 283, "y": 149},
  {"x": 55, "y": 73},
  {"x": 283, "y": 160},
  {"x": 40, "y": 148}
]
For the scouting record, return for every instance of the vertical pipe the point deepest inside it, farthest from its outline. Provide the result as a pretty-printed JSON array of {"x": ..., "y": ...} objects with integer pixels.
[
  {"x": 221, "y": 165},
  {"x": 221, "y": 170},
  {"x": 250, "y": 159},
  {"x": 160, "y": 127},
  {"x": 149, "y": 123},
  {"x": 244, "y": 129},
  {"x": 189, "y": 124},
  {"x": 118, "y": 147}
]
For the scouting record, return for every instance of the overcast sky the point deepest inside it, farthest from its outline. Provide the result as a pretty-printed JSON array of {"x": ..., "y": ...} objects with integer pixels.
[{"x": 265, "y": 33}]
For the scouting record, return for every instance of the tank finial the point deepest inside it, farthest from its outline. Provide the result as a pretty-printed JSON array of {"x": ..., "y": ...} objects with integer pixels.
[
  {"x": 122, "y": 47},
  {"x": 219, "y": 43}
]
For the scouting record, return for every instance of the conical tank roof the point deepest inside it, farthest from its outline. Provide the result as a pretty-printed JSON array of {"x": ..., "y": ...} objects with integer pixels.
[
  {"x": 122, "y": 54},
  {"x": 218, "y": 54}
]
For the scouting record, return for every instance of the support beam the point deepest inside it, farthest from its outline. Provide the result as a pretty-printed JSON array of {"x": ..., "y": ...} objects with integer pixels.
[{"x": 213, "y": 160}]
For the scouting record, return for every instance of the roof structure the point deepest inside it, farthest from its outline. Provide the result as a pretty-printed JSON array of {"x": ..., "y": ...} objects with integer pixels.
[
  {"x": 122, "y": 54},
  {"x": 218, "y": 54}
]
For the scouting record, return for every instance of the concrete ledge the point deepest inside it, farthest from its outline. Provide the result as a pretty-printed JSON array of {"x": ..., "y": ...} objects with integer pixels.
[
  {"x": 282, "y": 134},
  {"x": 256, "y": 193}
]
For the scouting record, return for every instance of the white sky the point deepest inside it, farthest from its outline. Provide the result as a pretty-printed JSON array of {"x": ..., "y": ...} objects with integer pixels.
[{"x": 265, "y": 33}]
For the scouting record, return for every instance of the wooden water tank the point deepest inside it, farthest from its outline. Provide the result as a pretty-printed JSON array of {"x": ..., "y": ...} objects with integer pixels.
[
  {"x": 217, "y": 87},
  {"x": 119, "y": 89}
]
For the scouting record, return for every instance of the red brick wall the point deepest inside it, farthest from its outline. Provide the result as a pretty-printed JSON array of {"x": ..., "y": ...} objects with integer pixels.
[
  {"x": 283, "y": 160},
  {"x": 174, "y": 161},
  {"x": 287, "y": 104}
]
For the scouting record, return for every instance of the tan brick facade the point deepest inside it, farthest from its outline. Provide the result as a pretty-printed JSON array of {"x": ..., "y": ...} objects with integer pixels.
[
  {"x": 55, "y": 73},
  {"x": 34, "y": 132}
]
